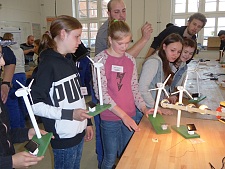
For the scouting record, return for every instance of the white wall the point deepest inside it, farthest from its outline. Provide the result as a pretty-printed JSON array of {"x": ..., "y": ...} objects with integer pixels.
[
  {"x": 156, "y": 12},
  {"x": 20, "y": 14},
  {"x": 63, "y": 7}
]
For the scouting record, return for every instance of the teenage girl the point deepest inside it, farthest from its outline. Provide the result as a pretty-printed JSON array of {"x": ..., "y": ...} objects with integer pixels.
[
  {"x": 120, "y": 89},
  {"x": 157, "y": 68},
  {"x": 57, "y": 96},
  {"x": 179, "y": 67}
]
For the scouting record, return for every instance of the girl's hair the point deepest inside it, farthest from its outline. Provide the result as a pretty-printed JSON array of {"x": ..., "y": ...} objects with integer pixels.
[
  {"x": 192, "y": 43},
  {"x": 188, "y": 43},
  {"x": 46, "y": 42},
  {"x": 37, "y": 42},
  {"x": 172, "y": 38},
  {"x": 8, "y": 36},
  {"x": 221, "y": 32},
  {"x": 118, "y": 30},
  {"x": 68, "y": 23}
]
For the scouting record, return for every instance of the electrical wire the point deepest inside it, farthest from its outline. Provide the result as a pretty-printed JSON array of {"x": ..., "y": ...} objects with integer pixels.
[{"x": 184, "y": 152}]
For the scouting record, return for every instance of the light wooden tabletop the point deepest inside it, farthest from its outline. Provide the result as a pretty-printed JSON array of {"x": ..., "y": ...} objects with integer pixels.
[{"x": 172, "y": 151}]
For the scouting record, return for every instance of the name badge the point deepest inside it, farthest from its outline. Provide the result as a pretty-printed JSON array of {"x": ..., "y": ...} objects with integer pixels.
[
  {"x": 83, "y": 91},
  {"x": 117, "y": 68}
]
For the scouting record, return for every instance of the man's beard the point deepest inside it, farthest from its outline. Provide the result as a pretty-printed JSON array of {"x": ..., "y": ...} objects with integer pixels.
[{"x": 189, "y": 33}]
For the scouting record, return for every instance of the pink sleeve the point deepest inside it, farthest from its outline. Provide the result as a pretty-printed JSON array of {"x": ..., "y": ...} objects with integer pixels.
[{"x": 139, "y": 101}]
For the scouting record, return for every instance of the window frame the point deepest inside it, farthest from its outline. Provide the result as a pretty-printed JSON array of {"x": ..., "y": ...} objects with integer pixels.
[{"x": 99, "y": 20}]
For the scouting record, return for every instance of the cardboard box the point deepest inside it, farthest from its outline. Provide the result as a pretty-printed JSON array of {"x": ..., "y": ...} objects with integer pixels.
[{"x": 213, "y": 43}]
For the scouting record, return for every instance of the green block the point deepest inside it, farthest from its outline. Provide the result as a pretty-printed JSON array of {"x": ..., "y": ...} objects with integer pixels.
[
  {"x": 43, "y": 143},
  {"x": 157, "y": 122},
  {"x": 99, "y": 109},
  {"x": 182, "y": 130},
  {"x": 197, "y": 100}
]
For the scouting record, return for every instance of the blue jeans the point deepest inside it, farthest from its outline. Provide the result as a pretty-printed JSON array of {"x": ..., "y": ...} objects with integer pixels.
[
  {"x": 68, "y": 158},
  {"x": 115, "y": 137},
  {"x": 15, "y": 105},
  {"x": 139, "y": 116},
  {"x": 99, "y": 147}
]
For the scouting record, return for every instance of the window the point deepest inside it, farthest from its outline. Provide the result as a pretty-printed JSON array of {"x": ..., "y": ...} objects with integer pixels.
[
  {"x": 212, "y": 9},
  {"x": 91, "y": 13}
]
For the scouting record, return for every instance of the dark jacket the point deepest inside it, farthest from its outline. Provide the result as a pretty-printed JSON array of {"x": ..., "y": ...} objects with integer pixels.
[
  {"x": 172, "y": 29},
  {"x": 56, "y": 93},
  {"x": 8, "y": 138}
]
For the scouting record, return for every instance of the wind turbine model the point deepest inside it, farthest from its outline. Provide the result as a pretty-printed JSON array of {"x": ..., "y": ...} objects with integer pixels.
[
  {"x": 160, "y": 88},
  {"x": 44, "y": 140},
  {"x": 198, "y": 96},
  {"x": 195, "y": 70},
  {"x": 24, "y": 91},
  {"x": 97, "y": 65},
  {"x": 181, "y": 90}
]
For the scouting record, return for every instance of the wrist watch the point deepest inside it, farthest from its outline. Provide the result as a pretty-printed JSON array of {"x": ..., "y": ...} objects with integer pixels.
[{"x": 7, "y": 83}]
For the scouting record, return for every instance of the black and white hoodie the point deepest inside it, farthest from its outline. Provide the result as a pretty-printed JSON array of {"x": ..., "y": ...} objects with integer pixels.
[{"x": 56, "y": 93}]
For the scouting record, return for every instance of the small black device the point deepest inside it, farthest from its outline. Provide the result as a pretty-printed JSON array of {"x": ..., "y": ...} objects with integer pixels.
[
  {"x": 222, "y": 120},
  {"x": 194, "y": 95},
  {"x": 191, "y": 127},
  {"x": 31, "y": 146},
  {"x": 91, "y": 104}
]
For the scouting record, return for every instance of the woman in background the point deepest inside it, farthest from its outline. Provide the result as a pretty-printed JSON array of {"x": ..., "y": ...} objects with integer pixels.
[{"x": 221, "y": 35}]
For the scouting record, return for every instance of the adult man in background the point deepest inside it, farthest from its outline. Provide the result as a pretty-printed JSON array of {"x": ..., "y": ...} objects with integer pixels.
[
  {"x": 28, "y": 49},
  {"x": 195, "y": 23},
  {"x": 221, "y": 35},
  {"x": 116, "y": 10}
]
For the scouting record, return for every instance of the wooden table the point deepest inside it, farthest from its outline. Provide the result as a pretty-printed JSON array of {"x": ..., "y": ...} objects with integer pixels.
[{"x": 172, "y": 151}]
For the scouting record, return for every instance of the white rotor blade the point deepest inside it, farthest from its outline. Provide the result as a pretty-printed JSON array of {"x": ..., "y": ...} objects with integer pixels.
[
  {"x": 188, "y": 93},
  {"x": 175, "y": 92},
  {"x": 198, "y": 75},
  {"x": 21, "y": 85},
  {"x": 185, "y": 81},
  {"x": 100, "y": 60},
  {"x": 153, "y": 89},
  {"x": 166, "y": 79},
  {"x": 166, "y": 92},
  {"x": 29, "y": 86},
  {"x": 90, "y": 59}
]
